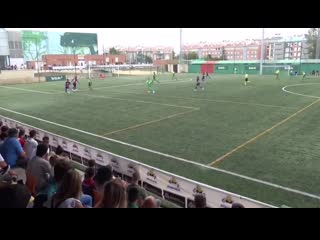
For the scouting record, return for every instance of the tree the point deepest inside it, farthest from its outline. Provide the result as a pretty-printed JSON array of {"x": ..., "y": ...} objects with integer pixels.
[
  {"x": 114, "y": 51},
  {"x": 208, "y": 57},
  {"x": 80, "y": 40},
  {"x": 312, "y": 39},
  {"x": 192, "y": 55},
  {"x": 34, "y": 44},
  {"x": 148, "y": 59}
]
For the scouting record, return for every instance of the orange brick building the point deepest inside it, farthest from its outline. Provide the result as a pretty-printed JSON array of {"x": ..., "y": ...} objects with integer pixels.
[{"x": 81, "y": 60}]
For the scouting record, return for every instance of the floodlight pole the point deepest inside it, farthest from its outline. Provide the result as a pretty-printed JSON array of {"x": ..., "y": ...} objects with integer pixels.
[
  {"x": 180, "y": 55},
  {"x": 37, "y": 52},
  {"x": 262, "y": 51}
]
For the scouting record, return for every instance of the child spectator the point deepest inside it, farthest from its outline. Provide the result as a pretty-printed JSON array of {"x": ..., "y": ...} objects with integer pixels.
[{"x": 21, "y": 136}]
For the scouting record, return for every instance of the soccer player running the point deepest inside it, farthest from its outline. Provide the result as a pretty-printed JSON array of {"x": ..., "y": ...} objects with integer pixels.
[
  {"x": 277, "y": 74},
  {"x": 304, "y": 75},
  {"x": 246, "y": 79},
  {"x": 291, "y": 74},
  {"x": 203, "y": 78},
  {"x": 174, "y": 76},
  {"x": 207, "y": 75},
  {"x": 75, "y": 82},
  {"x": 90, "y": 84},
  {"x": 151, "y": 82},
  {"x": 198, "y": 84},
  {"x": 67, "y": 86}
]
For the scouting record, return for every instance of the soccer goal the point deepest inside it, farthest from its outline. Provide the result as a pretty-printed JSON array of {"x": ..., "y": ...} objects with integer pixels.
[{"x": 271, "y": 69}]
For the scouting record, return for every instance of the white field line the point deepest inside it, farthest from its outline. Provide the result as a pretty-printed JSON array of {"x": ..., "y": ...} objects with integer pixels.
[{"x": 171, "y": 156}]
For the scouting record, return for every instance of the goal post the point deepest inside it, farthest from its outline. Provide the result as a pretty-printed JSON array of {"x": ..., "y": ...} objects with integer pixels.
[{"x": 271, "y": 69}]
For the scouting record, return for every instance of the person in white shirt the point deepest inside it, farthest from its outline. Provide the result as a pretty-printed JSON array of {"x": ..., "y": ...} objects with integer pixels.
[
  {"x": 31, "y": 145},
  {"x": 2, "y": 162}
]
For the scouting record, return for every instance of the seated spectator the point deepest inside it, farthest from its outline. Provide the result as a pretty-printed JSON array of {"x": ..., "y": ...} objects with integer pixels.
[
  {"x": 237, "y": 205},
  {"x": 59, "y": 151},
  {"x": 69, "y": 192},
  {"x": 88, "y": 184},
  {"x": 11, "y": 149},
  {"x": 3, "y": 134},
  {"x": 104, "y": 174},
  {"x": 200, "y": 201},
  {"x": 92, "y": 164},
  {"x": 30, "y": 146},
  {"x": 135, "y": 197},
  {"x": 21, "y": 137},
  {"x": 150, "y": 202},
  {"x": 62, "y": 166},
  {"x": 39, "y": 170},
  {"x": 14, "y": 195},
  {"x": 53, "y": 160},
  {"x": 46, "y": 141},
  {"x": 135, "y": 183},
  {"x": 114, "y": 195}
]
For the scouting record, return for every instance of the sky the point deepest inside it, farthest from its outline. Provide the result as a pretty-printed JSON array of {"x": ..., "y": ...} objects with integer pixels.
[{"x": 109, "y": 37}]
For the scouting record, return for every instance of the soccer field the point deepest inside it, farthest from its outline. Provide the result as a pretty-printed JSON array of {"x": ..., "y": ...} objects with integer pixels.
[{"x": 259, "y": 140}]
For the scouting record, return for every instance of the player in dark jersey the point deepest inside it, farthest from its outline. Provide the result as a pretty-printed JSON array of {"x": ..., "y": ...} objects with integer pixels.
[
  {"x": 154, "y": 76},
  {"x": 90, "y": 84},
  {"x": 67, "y": 86},
  {"x": 74, "y": 82},
  {"x": 203, "y": 77},
  {"x": 198, "y": 84},
  {"x": 207, "y": 75}
]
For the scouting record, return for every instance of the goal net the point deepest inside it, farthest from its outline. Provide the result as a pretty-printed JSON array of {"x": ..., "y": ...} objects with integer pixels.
[{"x": 271, "y": 69}]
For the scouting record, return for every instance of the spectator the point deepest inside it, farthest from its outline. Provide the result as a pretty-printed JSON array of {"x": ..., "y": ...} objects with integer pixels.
[
  {"x": 237, "y": 205},
  {"x": 53, "y": 160},
  {"x": 39, "y": 168},
  {"x": 2, "y": 162},
  {"x": 3, "y": 134},
  {"x": 30, "y": 146},
  {"x": 69, "y": 192},
  {"x": 11, "y": 149},
  {"x": 150, "y": 202},
  {"x": 104, "y": 174},
  {"x": 1, "y": 123},
  {"x": 200, "y": 201},
  {"x": 88, "y": 184},
  {"x": 14, "y": 195},
  {"x": 62, "y": 166},
  {"x": 21, "y": 136},
  {"x": 59, "y": 150},
  {"x": 46, "y": 141},
  {"x": 114, "y": 195},
  {"x": 92, "y": 164},
  {"x": 135, "y": 183},
  {"x": 135, "y": 197}
]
